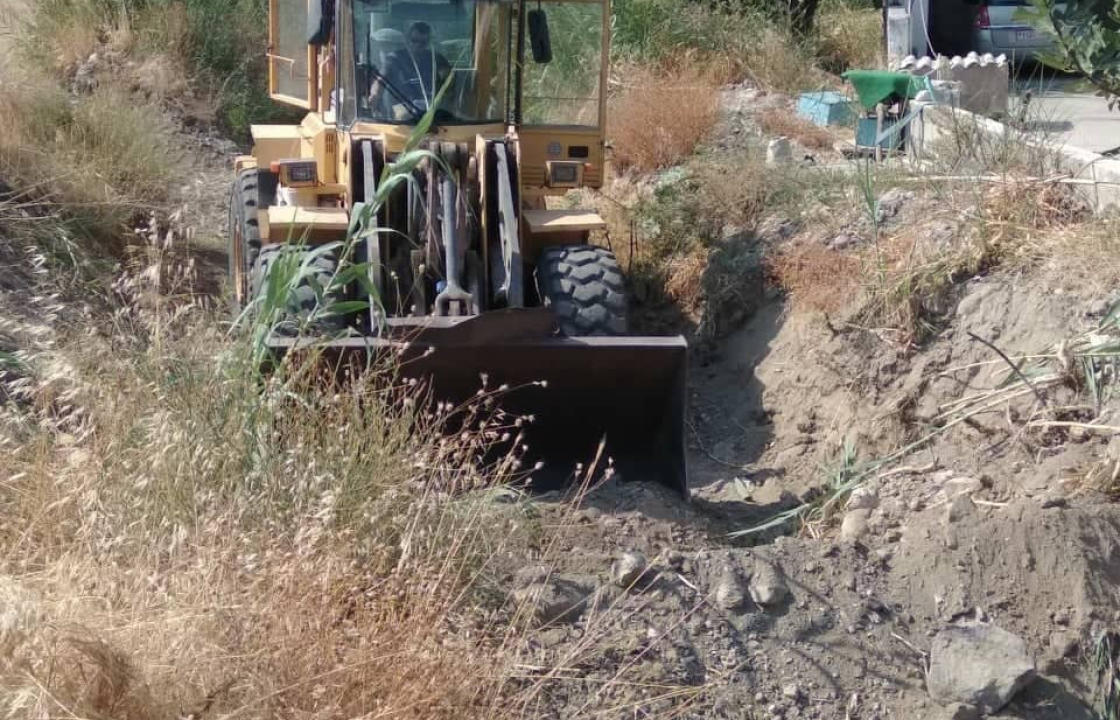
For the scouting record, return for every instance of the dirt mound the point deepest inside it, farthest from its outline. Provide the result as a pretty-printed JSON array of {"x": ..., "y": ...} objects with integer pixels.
[
  {"x": 786, "y": 390},
  {"x": 1042, "y": 572},
  {"x": 821, "y": 629}
]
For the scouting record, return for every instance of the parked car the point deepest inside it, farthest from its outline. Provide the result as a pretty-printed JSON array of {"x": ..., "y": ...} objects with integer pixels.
[{"x": 1001, "y": 29}]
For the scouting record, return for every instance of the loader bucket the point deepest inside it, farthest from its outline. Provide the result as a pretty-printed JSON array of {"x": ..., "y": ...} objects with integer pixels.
[{"x": 628, "y": 391}]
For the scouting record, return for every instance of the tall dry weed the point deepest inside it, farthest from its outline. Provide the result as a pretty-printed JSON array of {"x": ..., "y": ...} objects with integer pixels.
[
  {"x": 208, "y": 542},
  {"x": 777, "y": 61},
  {"x": 660, "y": 119},
  {"x": 105, "y": 158},
  {"x": 849, "y": 37}
]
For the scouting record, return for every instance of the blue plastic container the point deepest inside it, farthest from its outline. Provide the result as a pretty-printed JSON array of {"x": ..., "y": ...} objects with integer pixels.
[
  {"x": 865, "y": 134},
  {"x": 825, "y": 108}
]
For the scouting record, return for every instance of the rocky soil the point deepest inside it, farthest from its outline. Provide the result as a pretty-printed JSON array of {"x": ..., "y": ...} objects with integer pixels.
[{"x": 969, "y": 577}]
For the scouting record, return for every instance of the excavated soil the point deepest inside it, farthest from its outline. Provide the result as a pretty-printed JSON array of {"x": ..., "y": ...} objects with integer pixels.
[
  {"x": 978, "y": 523},
  {"x": 983, "y": 521}
]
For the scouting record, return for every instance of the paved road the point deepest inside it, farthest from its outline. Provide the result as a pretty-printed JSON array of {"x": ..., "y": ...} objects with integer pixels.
[{"x": 1064, "y": 110}]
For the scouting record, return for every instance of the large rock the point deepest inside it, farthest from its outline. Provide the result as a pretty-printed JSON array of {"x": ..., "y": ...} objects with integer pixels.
[
  {"x": 863, "y": 498},
  {"x": 629, "y": 568},
  {"x": 557, "y": 599},
  {"x": 978, "y": 664},
  {"x": 854, "y": 525},
  {"x": 729, "y": 591},
  {"x": 768, "y": 585}
]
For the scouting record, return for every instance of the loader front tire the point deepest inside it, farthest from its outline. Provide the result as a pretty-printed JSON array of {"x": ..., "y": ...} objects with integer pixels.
[
  {"x": 253, "y": 189},
  {"x": 583, "y": 286},
  {"x": 301, "y": 308}
]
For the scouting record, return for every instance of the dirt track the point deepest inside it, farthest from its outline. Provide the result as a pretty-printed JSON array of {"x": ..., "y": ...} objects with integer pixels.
[
  {"x": 851, "y": 638},
  {"x": 979, "y": 522}
]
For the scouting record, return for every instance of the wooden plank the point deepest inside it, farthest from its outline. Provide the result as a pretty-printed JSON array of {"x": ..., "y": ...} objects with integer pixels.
[
  {"x": 316, "y": 218},
  {"x": 545, "y": 221},
  {"x": 275, "y": 132}
]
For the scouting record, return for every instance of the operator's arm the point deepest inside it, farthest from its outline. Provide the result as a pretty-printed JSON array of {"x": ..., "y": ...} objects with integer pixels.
[{"x": 380, "y": 76}]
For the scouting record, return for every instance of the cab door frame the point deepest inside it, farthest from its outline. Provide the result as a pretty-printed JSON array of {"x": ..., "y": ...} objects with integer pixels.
[{"x": 279, "y": 63}]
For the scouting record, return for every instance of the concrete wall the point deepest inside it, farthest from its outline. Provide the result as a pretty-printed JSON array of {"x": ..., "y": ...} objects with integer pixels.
[
  {"x": 907, "y": 30},
  {"x": 982, "y": 80},
  {"x": 1094, "y": 176}
]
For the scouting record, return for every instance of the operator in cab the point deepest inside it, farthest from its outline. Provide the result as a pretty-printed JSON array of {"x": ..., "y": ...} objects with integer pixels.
[{"x": 414, "y": 74}]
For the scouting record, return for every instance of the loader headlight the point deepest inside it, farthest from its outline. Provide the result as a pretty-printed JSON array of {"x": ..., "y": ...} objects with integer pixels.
[{"x": 564, "y": 174}]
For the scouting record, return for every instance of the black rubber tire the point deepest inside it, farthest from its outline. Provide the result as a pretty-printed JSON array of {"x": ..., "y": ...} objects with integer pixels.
[
  {"x": 253, "y": 189},
  {"x": 304, "y": 299},
  {"x": 584, "y": 287}
]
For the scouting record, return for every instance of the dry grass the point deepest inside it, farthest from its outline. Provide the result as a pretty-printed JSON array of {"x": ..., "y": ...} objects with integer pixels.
[
  {"x": 180, "y": 537},
  {"x": 735, "y": 191},
  {"x": 197, "y": 56},
  {"x": 782, "y": 121},
  {"x": 193, "y": 543},
  {"x": 775, "y": 61},
  {"x": 817, "y": 279},
  {"x": 661, "y": 118},
  {"x": 684, "y": 282},
  {"x": 849, "y": 37},
  {"x": 903, "y": 278},
  {"x": 105, "y": 157}
]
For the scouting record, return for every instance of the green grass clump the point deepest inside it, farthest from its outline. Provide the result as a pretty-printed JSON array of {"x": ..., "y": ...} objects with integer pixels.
[{"x": 748, "y": 39}]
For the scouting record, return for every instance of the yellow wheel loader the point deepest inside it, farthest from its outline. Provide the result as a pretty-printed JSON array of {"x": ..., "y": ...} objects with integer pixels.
[{"x": 470, "y": 274}]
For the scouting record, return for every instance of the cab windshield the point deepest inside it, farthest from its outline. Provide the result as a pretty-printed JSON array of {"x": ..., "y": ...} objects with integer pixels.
[{"x": 403, "y": 53}]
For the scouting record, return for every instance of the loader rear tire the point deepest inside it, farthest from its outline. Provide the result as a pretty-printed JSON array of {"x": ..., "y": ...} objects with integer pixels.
[
  {"x": 253, "y": 189},
  {"x": 584, "y": 287},
  {"x": 303, "y": 301}
]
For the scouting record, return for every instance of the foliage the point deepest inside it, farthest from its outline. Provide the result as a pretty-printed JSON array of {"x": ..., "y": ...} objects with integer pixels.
[
  {"x": 1087, "y": 35},
  {"x": 219, "y": 44},
  {"x": 644, "y": 136},
  {"x": 104, "y": 158}
]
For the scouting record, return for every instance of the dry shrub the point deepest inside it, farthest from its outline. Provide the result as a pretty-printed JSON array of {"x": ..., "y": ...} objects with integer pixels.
[
  {"x": 661, "y": 118},
  {"x": 1052, "y": 227},
  {"x": 776, "y": 61},
  {"x": 782, "y": 121},
  {"x": 1013, "y": 207},
  {"x": 61, "y": 35},
  {"x": 849, "y": 37},
  {"x": 734, "y": 191},
  {"x": 684, "y": 281},
  {"x": 817, "y": 278},
  {"x": 205, "y": 542},
  {"x": 105, "y": 157},
  {"x": 200, "y": 551}
]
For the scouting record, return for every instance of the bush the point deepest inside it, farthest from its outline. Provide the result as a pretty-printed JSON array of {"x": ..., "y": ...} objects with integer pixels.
[
  {"x": 218, "y": 43},
  {"x": 645, "y": 134},
  {"x": 749, "y": 39},
  {"x": 104, "y": 159},
  {"x": 849, "y": 36},
  {"x": 1087, "y": 41}
]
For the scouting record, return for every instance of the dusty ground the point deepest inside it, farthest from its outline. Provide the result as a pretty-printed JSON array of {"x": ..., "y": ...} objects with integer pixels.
[
  {"x": 986, "y": 520},
  {"x": 1021, "y": 550},
  {"x": 979, "y": 522}
]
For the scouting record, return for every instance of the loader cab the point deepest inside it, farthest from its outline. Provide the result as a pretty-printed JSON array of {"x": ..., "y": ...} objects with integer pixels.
[
  {"x": 408, "y": 56},
  {"x": 373, "y": 67}
]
